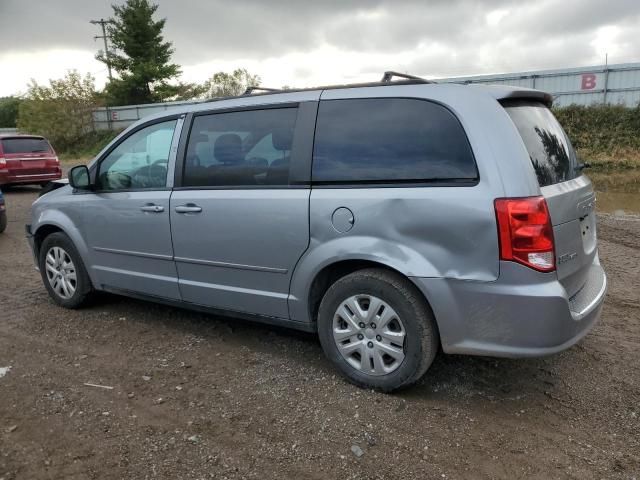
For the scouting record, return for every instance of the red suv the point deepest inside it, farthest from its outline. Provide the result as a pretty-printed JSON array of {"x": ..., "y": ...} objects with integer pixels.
[{"x": 27, "y": 159}]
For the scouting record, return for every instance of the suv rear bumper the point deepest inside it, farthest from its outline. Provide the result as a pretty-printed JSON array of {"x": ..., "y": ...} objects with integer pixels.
[
  {"x": 522, "y": 314},
  {"x": 12, "y": 177}
]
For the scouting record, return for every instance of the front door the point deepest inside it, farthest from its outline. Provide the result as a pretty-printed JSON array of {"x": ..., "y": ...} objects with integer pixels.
[
  {"x": 238, "y": 226},
  {"x": 126, "y": 218}
]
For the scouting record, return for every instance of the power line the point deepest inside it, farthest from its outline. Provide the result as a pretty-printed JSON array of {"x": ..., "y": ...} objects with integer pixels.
[{"x": 102, "y": 22}]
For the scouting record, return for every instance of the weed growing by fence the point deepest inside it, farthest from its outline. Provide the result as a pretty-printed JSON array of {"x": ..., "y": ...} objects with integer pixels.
[{"x": 607, "y": 136}]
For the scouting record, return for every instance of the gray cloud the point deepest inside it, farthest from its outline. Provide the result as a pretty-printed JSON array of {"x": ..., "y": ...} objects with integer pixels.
[{"x": 450, "y": 37}]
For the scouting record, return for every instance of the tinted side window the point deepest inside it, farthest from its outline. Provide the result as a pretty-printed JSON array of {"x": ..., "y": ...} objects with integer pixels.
[
  {"x": 245, "y": 148},
  {"x": 550, "y": 151},
  {"x": 389, "y": 140},
  {"x": 140, "y": 161}
]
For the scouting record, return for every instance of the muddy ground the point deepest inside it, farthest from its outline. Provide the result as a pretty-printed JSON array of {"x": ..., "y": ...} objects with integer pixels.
[{"x": 197, "y": 396}]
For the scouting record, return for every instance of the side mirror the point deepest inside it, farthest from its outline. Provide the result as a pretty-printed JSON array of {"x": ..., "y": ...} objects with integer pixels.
[{"x": 79, "y": 177}]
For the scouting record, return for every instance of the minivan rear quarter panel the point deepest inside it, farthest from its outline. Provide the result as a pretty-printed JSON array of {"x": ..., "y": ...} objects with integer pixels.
[{"x": 421, "y": 231}]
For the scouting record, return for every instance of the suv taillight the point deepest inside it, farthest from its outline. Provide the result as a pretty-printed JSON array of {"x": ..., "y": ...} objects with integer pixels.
[
  {"x": 525, "y": 232},
  {"x": 3, "y": 162}
]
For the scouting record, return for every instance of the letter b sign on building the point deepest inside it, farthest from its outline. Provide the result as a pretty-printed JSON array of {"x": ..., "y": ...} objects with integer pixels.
[{"x": 588, "y": 81}]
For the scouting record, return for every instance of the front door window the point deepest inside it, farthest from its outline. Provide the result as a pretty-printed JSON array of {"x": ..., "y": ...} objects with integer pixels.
[{"x": 140, "y": 161}]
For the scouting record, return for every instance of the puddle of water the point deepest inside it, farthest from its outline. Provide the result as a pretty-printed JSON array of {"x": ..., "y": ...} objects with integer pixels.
[{"x": 617, "y": 192}]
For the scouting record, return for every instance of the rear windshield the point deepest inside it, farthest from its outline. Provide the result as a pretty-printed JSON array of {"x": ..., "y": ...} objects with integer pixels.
[
  {"x": 25, "y": 145},
  {"x": 550, "y": 150}
]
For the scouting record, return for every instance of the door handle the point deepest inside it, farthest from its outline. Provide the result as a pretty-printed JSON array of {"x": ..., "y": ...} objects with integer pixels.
[
  {"x": 188, "y": 208},
  {"x": 150, "y": 207}
]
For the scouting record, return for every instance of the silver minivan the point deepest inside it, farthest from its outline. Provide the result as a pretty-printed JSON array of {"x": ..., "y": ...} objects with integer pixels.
[{"x": 393, "y": 219}]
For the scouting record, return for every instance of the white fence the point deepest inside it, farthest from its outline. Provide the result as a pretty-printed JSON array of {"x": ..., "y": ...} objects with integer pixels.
[
  {"x": 120, "y": 117},
  {"x": 615, "y": 84}
]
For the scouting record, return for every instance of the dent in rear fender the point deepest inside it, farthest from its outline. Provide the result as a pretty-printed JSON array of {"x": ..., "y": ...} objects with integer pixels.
[
  {"x": 434, "y": 232},
  {"x": 322, "y": 254}
]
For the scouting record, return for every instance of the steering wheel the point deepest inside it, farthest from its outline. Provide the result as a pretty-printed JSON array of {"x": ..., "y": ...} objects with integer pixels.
[{"x": 153, "y": 175}]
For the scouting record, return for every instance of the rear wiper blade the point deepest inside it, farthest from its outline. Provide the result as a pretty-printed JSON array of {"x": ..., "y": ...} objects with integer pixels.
[{"x": 581, "y": 166}]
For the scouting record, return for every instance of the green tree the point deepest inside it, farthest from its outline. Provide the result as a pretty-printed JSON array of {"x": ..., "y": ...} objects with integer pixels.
[
  {"x": 141, "y": 57},
  {"x": 62, "y": 111},
  {"x": 187, "y": 91},
  {"x": 9, "y": 111},
  {"x": 224, "y": 84}
]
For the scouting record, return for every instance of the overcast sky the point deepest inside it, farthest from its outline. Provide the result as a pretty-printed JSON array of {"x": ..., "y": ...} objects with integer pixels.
[{"x": 306, "y": 43}]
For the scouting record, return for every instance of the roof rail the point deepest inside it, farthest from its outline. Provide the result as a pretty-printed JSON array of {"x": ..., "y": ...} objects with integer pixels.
[
  {"x": 252, "y": 89},
  {"x": 388, "y": 76}
]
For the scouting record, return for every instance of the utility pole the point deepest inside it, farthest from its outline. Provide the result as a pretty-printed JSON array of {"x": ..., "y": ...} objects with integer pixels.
[
  {"x": 606, "y": 77},
  {"x": 102, "y": 22}
]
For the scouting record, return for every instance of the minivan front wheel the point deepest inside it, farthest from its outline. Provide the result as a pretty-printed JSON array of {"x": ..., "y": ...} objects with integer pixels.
[
  {"x": 63, "y": 272},
  {"x": 377, "y": 329}
]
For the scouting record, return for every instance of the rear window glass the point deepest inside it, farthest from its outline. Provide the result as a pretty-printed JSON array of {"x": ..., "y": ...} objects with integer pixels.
[
  {"x": 25, "y": 145},
  {"x": 550, "y": 150},
  {"x": 389, "y": 140}
]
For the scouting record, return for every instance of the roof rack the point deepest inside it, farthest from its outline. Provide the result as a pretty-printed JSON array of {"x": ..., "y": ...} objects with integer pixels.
[
  {"x": 405, "y": 79},
  {"x": 252, "y": 89},
  {"x": 388, "y": 76}
]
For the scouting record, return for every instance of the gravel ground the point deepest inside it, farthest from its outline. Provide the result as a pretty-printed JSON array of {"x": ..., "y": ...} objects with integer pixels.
[{"x": 197, "y": 396}]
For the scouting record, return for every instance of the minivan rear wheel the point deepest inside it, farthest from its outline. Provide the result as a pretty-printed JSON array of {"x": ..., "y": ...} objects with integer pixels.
[
  {"x": 63, "y": 272},
  {"x": 376, "y": 327}
]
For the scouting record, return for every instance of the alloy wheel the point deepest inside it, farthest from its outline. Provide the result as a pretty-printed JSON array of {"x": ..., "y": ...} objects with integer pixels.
[{"x": 61, "y": 272}]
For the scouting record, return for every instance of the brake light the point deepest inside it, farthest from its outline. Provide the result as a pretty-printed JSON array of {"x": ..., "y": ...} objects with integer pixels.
[
  {"x": 525, "y": 232},
  {"x": 3, "y": 162}
]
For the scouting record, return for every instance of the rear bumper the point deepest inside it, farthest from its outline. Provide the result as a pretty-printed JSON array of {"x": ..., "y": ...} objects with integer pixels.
[
  {"x": 522, "y": 314},
  {"x": 13, "y": 177}
]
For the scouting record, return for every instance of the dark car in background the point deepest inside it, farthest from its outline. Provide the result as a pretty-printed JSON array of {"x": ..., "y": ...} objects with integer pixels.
[
  {"x": 3, "y": 214},
  {"x": 27, "y": 159}
]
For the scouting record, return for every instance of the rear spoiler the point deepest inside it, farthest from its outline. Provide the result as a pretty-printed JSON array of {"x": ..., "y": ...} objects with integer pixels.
[
  {"x": 505, "y": 93},
  {"x": 534, "y": 95},
  {"x": 19, "y": 136}
]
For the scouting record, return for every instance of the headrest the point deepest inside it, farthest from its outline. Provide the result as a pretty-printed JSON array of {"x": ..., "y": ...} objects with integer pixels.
[
  {"x": 282, "y": 138},
  {"x": 228, "y": 148}
]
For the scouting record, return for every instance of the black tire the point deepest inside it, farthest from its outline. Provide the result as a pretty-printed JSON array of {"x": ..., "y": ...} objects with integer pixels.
[
  {"x": 3, "y": 221},
  {"x": 421, "y": 341},
  {"x": 83, "y": 287},
  {"x": 43, "y": 184}
]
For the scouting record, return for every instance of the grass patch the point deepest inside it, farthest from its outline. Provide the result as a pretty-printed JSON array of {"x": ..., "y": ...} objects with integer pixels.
[
  {"x": 606, "y": 136},
  {"x": 620, "y": 159}
]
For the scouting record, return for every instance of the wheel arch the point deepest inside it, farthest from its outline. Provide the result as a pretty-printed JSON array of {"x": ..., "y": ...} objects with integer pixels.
[
  {"x": 332, "y": 272},
  {"x": 345, "y": 255},
  {"x": 61, "y": 223},
  {"x": 43, "y": 232}
]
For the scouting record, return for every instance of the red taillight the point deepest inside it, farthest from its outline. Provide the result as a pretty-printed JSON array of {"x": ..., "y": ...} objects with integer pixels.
[
  {"x": 525, "y": 232},
  {"x": 3, "y": 162}
]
